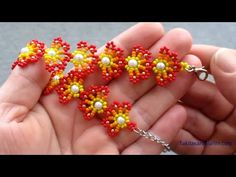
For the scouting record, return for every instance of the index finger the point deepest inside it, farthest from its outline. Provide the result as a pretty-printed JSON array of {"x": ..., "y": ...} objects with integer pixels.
[{"x": 205, "y": 53}]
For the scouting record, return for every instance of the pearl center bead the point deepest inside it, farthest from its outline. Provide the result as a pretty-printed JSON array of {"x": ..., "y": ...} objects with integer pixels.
[
  {"x": 106, "y": 60},
  {"x": 120, "y": 120},
  {"x": 132, "y": 63},
  {"x": 56, "y": 78},
  {"x": 75, "y": 89},
  {"x": 79, "y": 57},
  {"x": 160, "y": 65},
  {"x": 25, "y": 50},
  {"x": 98, "y": 105},
  {"x": 51, "y": 52}
]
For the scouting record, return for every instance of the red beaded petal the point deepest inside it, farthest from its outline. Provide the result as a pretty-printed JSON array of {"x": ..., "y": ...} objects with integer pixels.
[
  {"x": 93, "y": 101},
  {"x": 117, "y": 118},
  {"x": 84, "y": 58},
  {"x": 166, "y": 66},
  {"x": 138, "y": 64},
  {"x": 32, "y": 53},
  {"x": 111, "y": 62},
  {"x": 57, "y": 56},
  {"x": 71, "y": 86},
  {"x": 54, "y": 81}
]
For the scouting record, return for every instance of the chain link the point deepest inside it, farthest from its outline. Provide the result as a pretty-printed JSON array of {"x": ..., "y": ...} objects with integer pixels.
[{"x": 152, "y": 137}]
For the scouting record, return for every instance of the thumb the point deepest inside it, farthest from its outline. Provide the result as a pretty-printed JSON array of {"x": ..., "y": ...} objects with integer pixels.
[
  {"x": 223, "y": 68},
  {"x": 22, "y": 90}
]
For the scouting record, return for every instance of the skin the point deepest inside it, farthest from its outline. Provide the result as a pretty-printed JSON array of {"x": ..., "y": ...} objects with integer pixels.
[
  {"x": 34, "y": 124},
  {"x": 210, "y": 108}
]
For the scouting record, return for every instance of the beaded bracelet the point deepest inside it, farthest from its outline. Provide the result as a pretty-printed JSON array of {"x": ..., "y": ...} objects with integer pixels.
[{"x": 93, "y": 100}]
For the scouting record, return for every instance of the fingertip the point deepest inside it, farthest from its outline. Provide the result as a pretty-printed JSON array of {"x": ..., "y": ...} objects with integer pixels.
[
  {"x": 192, "y": 60},
  {"x": 34, "y": 72},
  {"x": 158, "y": 27},
  {"x": 177, "y": 40},
  {"x": 184, "y": 37},
  {"x": 223, "y": 68},
  {"x": 145, "y": 34},
  {"x": 224, "y": 60}
]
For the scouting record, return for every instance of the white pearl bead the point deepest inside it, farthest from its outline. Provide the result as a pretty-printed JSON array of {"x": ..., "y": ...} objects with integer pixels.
[
  {"x": 106, "y": 60},
  {"x": 120, "y": 120},
  {"x": 132, "y": 63},
  {"x": 51, "y": 52},
  {"x": 160, "y": 65},
  {"x": 25, "y": 50},
  {"x": 56, "y": 78},
  {"x": 79, "y": 57},
  {"x": 98, "y": 105},
  {"x": 75, "y": 88}
]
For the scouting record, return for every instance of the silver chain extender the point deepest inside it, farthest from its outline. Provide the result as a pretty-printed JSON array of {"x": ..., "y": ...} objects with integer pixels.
[{"x": 152, "y": 137}]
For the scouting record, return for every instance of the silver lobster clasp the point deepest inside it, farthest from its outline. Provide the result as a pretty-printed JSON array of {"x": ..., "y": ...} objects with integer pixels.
[{"x": 201, "y": 72}]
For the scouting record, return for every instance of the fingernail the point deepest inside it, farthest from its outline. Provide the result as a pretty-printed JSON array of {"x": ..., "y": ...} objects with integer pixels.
[{"x": 225, "y": 60}]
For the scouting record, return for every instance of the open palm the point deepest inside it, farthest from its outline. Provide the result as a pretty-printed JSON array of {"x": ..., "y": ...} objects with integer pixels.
[{"x": 36, "y": 124}]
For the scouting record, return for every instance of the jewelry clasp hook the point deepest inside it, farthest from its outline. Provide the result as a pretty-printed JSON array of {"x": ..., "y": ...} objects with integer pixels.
[{"x": 199, "y": 71}]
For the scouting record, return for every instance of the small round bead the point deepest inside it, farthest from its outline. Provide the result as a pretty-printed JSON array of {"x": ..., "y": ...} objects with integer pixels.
[
  {"x": 120, "y": 120},
  {"x": 25, "y": 50},
  {"x": 132, "y": 63},
  {"x": 98, "y": 105},
  {"x": 74, "y": 88},
  {"x": 106, "y": 60},
  {"x": 51, "y": 52},
  {"x": 160, "y": 65},
  {"x": 79, "y": 56},
  {"x": 56, "y": 78}
]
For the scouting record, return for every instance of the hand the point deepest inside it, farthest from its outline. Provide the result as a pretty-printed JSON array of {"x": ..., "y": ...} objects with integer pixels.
[
  {"x": 35, "y": 124},
  {"x": 211, "y": 107}
]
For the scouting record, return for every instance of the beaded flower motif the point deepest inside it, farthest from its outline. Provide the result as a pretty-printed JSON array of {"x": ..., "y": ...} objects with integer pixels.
[
  {"x": 54, "y": 81},
  {"x": 84, "y": 58},
  {"x": 32, "y": 53},
  {"x": 94, "y": 101},
  {"x": 166, "y": 66},
  {"x": 70, "y": 87},
  {"x": 138, "y": 64},
  {"x": 117, "y": 118},
  {"x": 111, "y": 61},
  {"x": 57, "y": 56}
]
